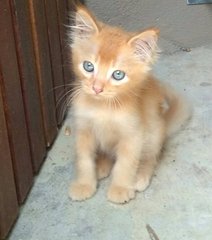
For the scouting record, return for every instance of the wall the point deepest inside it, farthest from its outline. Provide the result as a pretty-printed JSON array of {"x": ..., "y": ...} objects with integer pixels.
[{"x": 181, "y": 25}]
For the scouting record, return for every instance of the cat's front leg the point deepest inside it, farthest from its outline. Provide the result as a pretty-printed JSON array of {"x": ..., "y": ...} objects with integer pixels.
[
  {"x": 122, "y": 188},
  {"x": 86, "y": 181}
]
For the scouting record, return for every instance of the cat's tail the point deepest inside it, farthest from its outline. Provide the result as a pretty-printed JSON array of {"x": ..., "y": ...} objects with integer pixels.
[{"x": 178, "y": 112}]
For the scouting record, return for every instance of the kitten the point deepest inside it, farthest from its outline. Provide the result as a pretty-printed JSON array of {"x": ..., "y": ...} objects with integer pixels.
[{"x": 122, "y": 114}]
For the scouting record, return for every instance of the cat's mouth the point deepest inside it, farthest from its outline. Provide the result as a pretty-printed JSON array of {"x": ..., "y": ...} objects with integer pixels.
[
  {"x": 98, "y": 93},
  {"x": 102, "y": 95}
]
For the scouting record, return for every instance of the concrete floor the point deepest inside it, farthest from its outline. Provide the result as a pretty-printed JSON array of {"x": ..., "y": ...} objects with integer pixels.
[{"x": 177, "y": 205}]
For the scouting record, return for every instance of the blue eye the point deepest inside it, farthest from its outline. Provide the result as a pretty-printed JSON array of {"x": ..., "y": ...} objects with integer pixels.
[
  {"x": 88, "y": 66},
  {"x": 118, "y": 75}
]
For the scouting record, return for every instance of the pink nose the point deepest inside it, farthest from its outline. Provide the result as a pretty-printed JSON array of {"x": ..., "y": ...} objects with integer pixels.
[{"x": 97, "y": 90}]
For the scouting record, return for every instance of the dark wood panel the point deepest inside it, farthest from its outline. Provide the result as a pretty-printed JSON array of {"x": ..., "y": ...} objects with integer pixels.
[
  {"x": 64, "y": 19},
  {"x": 34, "y": 61},
  {"x": 43, "y": 65},
  {"x": 8, "y": 199},
  {"x": 30, "y": 90},
  {"x": 56, "y": 56},
  {"x": 13, "y": 105}
]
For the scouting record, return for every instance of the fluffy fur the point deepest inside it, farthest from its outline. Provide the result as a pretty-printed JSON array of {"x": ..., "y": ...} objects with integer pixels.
[{"x": 120, "y": 125}]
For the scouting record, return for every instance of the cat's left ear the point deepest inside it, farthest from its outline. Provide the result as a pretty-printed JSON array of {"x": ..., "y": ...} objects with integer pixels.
[
  {"x": 145, "y": 45},
  {"x": 85, "y": 24}
]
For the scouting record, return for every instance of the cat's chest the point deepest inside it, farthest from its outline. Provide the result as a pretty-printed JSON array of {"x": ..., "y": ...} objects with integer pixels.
[
  {"x": 106, "y": 123},
  {"x": 100, "y": 118},
  {"x": 109, "y": 126}
]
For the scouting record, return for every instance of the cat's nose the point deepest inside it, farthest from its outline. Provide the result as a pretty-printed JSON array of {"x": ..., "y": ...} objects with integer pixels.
[{"x": 97, "y": 90}]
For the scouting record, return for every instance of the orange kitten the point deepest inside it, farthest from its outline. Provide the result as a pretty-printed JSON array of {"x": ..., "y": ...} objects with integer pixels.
[{"x": 122, "y": 113}]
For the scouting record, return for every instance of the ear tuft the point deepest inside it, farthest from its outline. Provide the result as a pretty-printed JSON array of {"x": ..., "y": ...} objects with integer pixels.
[
  {"x": 85, "y": 24},
  {"x": 145, "y": 45}
]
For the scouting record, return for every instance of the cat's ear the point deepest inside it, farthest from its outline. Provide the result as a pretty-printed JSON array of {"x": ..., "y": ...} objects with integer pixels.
[
  {"x": 85, "y": 24},
  {"x": 144, "y": 45}
]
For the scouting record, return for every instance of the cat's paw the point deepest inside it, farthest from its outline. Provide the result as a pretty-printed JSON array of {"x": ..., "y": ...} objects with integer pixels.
[
  {"x": 80, "y": 192},
  {"x": 118, "y": 194},
  {"x": 142, "y": 184}
]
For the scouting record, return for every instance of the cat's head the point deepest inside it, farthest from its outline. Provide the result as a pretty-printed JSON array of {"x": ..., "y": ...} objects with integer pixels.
[{"x": 107, "y": 60}]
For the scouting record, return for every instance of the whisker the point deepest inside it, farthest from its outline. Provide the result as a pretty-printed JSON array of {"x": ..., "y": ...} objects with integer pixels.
[
  {"x": 110, "y": 103},
  {"x": 62, "y": 98},
  {"x": 73, "y": 96},
  {"x": 84, "y": 22},
  {"x": 63, "y": 110},
  {"x": 60, "y": 86},
  {"x": 119, "y": 105},
  {"x": 80, "y": 27},
  {"x": 64, "y": 95},
  {"x": 114, "y": 104},
  {"x": 67, "y": 102},
  {"x": 133, "y": 93}
]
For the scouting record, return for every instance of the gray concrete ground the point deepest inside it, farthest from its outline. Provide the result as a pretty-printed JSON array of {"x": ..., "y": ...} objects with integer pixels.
[{"x": 177, "y": 205}]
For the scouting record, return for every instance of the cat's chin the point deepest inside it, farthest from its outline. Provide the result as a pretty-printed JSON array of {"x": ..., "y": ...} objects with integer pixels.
[
  {"x": 97, "y": 97},
  {"x": 100, "y": 96},
  {"x": 94, "y": 96}
]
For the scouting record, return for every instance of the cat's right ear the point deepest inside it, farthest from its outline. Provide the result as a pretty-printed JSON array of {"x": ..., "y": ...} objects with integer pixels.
[
  {"x": 85, "y": 24},
  {"x": 145, "y": 45}
]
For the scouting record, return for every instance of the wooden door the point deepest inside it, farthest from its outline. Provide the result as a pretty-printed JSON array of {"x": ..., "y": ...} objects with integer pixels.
[{"x": 34, "y": 72}]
